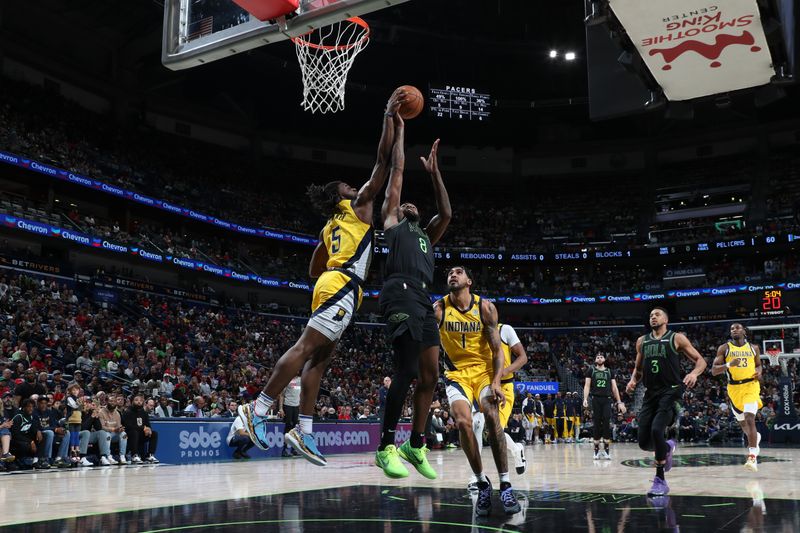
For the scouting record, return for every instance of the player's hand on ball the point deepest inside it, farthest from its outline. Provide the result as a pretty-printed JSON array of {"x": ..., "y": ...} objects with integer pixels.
[
  {"x": 690, "y": 380},
  {"x": 395, "y": 101},
  {"x": 431, "y": 164}
]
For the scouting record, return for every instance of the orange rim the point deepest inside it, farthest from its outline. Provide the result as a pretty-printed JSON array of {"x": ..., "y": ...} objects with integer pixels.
[{"x": 355, "y": 20}]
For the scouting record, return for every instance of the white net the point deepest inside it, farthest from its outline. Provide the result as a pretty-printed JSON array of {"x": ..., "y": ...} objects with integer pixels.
[{"x": 326, "y": 55}]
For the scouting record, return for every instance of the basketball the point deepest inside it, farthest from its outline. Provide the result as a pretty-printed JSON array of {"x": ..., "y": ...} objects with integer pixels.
[{"x": 414, "y": 102}]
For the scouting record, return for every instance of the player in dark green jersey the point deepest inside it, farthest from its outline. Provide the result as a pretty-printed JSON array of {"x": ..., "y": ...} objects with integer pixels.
[
  {"x": 658, "y": 364},
  {"x": 600, "y": 383}
]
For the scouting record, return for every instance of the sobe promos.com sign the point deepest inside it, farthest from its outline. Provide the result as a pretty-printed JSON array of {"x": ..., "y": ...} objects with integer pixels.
[{"x": 200, "y": 441}]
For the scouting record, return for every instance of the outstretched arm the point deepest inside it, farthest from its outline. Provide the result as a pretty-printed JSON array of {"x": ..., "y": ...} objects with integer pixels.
[
  {"x": 489, "y": 312},
  {"x": 368, "y": 191},
  {"x": 682, "y": 344},
  {"x": 391, "y": 203},
  {"x": 441, "y": 220}
]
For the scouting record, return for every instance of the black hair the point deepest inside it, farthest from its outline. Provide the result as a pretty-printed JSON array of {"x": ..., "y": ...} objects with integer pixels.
[
  {"x": 467, "y": 271},
  {"x": 746, "y": 331},
  {"x": 325, "y": 198},
  {"x": 660, "y": 309},
  {"x": 26, "y": 402}
]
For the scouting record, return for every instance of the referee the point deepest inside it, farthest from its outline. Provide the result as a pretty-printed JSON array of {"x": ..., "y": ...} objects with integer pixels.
[{"x": 602, "y": 385}]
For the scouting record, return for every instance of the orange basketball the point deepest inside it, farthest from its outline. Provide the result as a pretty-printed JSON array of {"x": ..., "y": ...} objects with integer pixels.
[{"x": 413, "y": 104}]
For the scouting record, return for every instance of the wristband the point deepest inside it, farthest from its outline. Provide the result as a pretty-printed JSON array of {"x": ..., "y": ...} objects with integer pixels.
[
  {"x": 728, "y": 364},
  {"x": 388, "y": 114}
]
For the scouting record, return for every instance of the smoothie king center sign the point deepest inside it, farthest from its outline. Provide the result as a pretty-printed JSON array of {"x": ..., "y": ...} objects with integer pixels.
[{"x": 696, "y": 49}]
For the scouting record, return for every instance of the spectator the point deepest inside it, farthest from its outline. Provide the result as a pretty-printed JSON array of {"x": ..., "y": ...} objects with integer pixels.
[
  {"x": 47, "y": 419},
  {"x": 289, "y": 409},
  {"x": 25, "y": 435},
  {"x": 111, "y": 432},
  {"x": 197, "y": 408},
  {"x": 515, "y": 428},
  {"x": 164, "y": 409},
  {"x": 29, "y": 387},
  {"x": 143, "y": 439},
  {"x": 239, "y": 439},
  {"x": 165, "y": 387},
  {"x": 92, "y": 433},
  {"x": 5, "y": 432},
  {"x": 73, "y": 416},
  {"x": 231, "y": 412}
]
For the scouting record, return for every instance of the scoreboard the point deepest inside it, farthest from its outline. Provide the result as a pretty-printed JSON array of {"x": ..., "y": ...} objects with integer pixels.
[{"x": 460, "y": 103}]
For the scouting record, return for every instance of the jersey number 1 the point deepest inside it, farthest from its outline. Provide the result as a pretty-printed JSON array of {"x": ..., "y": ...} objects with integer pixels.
[{"x": 336, "y": 240}]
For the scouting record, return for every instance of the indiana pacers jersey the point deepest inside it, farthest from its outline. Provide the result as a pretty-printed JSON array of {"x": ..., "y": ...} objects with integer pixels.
[
  {"x": 747, "y": 362},
  {"x": 744, "y": 390},
  {"x": 348, "y": 240},
  {"x": 467, "y": 354},
  {"x": 338, "y": 293},
  {"x": 463, "y": 340},
  {"x": 509, "y": 339}
]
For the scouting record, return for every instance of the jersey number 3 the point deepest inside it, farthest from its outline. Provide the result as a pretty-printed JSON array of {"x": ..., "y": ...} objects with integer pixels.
[
  {"x": 336, "y": 240},
  {"x": 654, "y": 366}
]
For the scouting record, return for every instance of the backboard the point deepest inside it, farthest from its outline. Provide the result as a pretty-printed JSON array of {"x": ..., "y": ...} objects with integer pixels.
[{"x": 200, "y": 31}]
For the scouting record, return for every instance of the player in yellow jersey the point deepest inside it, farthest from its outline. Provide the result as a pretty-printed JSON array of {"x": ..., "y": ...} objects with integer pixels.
[
  {"x": 511, "y": 345},
  {"x": 340, "y": 262},
  {"x": 741, "y": 362},
  {"x": 474, "y": 362}
]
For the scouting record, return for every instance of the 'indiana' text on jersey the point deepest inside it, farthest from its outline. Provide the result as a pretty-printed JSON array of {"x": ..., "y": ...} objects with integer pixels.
[{"x": 462, "y": 335}]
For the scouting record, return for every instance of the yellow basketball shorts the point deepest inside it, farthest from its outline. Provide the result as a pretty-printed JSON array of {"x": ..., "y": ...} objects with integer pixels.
[
  {"x": 745, "y": 398},
  {"x": 467, "y": 384},
  {"x": 508, "y": 407},
  {"x": 336, "y": 299}
]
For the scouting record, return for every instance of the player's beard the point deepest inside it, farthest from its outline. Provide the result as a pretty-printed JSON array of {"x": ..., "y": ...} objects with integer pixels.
[{"x": 411, "y": 216}]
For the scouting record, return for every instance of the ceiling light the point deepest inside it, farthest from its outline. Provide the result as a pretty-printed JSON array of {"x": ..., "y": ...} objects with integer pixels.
[
  {"x": 569, "y": 56},
  {"x": 553, "y": 54}
]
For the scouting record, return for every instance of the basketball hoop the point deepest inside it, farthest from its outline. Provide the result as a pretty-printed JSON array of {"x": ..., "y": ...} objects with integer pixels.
[
  {"x": 326, "y": 55},
  {"x": 773, "y": 354}
]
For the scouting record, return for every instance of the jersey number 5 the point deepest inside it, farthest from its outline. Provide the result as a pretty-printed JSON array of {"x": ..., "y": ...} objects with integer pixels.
[{"x": 336, "y": 240}]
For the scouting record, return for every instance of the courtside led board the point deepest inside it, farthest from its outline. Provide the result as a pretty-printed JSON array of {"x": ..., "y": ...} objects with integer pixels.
[{"x": 695, "y": 48}]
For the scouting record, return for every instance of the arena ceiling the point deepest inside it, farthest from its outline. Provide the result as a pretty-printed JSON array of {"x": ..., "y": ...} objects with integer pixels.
[{"x": 501, "y": 46}]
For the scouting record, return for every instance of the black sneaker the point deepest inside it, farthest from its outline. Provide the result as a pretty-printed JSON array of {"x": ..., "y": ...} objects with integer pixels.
[
  {"x": 237, "y": 454},
  {"x": 484, "y": 505},
  {"x": 510, "y": 503},
  {"x": 245, "y": 456},
  {"x": 41, "y": 465}
]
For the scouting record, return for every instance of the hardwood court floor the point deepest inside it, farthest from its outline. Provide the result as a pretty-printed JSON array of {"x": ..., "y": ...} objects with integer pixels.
[{"x": 563, "y": 490}]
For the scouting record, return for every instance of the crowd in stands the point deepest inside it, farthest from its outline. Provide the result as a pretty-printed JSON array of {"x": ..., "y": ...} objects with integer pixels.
[
  {"x": 62, "y": 354},
  {"x": 41, "y": 124}
]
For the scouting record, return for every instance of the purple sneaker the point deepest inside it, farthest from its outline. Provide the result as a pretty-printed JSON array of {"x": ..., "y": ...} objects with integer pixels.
[
  {"x": 659, "y": 488},
  {"x": 672, "y": 446}
]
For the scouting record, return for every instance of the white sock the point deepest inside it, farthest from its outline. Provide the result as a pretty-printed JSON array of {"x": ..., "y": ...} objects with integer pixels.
[
  {"x": 477, "y": 427},
  {"x": 473, "y": 478},
  {"x": 306, "y": 424},
  {"x": 754, "y": 451},
  {"x": 263, "y": 404},
  {"x": 481, "y": 477},
  {"x": 504, "y": 478}
]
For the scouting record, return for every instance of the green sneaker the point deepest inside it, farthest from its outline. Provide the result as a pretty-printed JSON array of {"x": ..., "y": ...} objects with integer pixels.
[
  {"x": 389, "y": 461},
  {"x": 417, "y": 457}
]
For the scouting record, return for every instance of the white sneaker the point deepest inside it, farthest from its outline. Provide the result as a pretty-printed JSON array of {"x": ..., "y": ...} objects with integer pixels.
[
  {"x": 606, "y": 455},
  {"x": 519, "y": 458},
  {"x": 152, "y": 459},
  {"x": 122, "y": 460},
  {"x": 104, "y": 461},
  {"x": 85, "y": 462},
  {"x": 136, "y": 460},
  {"x": 112, "y": 460},
  {"x": 596, "y": 455}
]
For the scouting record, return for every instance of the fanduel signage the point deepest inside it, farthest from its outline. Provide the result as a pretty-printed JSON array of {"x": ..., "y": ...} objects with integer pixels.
[{"x": 536, "y": 387}]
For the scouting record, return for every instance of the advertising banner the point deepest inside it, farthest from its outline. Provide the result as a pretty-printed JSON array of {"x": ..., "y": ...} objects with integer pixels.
[
  {"x": 191, "y": 440},
  {"x": 536, "y": 387},
  {"x": 695, "y": 48}
]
